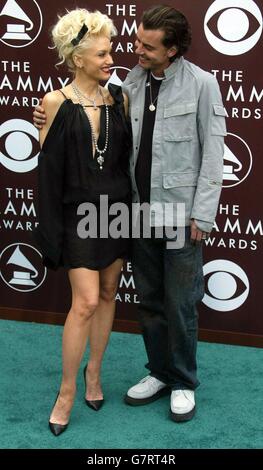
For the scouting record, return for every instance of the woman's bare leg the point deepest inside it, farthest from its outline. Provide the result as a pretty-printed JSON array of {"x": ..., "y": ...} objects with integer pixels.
[
  {"x": 85, "y": 294},
  {"x": 101, "y": 325}
]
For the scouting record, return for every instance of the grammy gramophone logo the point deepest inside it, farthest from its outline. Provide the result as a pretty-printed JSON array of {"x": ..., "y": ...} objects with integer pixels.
[
  {"x": 20, "y": 22},
  {"x": 118, "y": 75},
  {"x": 237, "y": 161},
  {"x": 21, "y": 267}
]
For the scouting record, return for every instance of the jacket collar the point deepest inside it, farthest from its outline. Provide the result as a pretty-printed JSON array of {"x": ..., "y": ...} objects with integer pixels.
[
  {"x": 173, "y": 68},
  {"x": 138, "y": 72}
]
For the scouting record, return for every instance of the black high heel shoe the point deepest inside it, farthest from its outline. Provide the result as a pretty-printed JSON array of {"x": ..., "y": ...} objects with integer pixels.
[
  {"x": 93, "y": 404},
  {"x": 57, "y": 428}
]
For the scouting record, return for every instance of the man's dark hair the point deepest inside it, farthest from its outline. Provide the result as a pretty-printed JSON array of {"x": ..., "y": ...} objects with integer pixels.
[{"x": 176, "y": 28}]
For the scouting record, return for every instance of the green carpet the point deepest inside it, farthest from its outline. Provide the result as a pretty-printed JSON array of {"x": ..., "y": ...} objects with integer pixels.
[{"x": 229, "y": 400}]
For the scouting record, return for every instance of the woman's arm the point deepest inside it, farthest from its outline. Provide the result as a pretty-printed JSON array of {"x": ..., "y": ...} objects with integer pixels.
[{"x": 51, "y": 103}]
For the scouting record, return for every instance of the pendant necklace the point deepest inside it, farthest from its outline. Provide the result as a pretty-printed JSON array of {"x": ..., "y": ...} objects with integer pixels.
[
  {"x": 100, "y": 158},
  {"x": 152, "y": 106}
]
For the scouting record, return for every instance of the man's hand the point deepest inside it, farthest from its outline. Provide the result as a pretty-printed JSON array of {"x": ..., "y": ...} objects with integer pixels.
[
  {"x": 39, "y": 116},
  {"x": 197, "y": 235}
]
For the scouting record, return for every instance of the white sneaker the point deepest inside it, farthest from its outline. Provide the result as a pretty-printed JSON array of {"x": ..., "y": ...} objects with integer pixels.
[
  {"x": 182, "y": 405},
  {"x": 146, "y": 391}
]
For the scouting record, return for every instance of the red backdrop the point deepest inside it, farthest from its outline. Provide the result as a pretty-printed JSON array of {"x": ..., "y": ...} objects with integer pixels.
[{"x": 227, "y": 41}]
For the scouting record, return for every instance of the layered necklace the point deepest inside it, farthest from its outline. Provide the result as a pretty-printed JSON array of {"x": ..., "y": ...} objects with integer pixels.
[
  {"x": 91, "y": 100},
  {"x": 80, "y": 96}
]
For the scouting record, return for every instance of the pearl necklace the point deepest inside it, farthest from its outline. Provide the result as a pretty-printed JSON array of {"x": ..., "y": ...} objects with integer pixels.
[
  {"x": 92, "y": 101},
  {"x": 100, "y": 158}
]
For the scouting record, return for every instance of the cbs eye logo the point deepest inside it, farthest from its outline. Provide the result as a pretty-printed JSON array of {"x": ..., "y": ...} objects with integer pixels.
[
  {"x": 19, "y": 149},
  {"x": 239, "y": 25},
  {"x": 227, "y": 285}
]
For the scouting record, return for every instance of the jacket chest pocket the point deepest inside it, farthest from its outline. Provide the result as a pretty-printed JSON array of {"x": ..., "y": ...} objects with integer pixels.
[{"x": 180, "y": 122}]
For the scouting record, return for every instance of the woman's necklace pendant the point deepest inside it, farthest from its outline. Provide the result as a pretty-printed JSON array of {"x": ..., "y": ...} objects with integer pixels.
[
  {"x": 152, "y": 107},
  {"x": 100, "y": 161}
]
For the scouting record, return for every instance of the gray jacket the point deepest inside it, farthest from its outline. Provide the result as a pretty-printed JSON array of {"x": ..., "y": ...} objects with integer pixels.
[{"x": 188, "y": 140}]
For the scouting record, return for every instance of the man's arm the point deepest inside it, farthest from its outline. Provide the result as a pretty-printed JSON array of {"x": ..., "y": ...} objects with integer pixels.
[
  {"x": 39, "y": 116},
  {"x": 211, "y": 131},
  {"x": 126, "y": 104}
]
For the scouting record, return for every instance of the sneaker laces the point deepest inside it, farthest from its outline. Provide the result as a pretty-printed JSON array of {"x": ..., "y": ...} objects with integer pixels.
[
  {"x": 148, "y": 377},
  {"x": 178, "y": 392},
  {"x": 153, "y": 383}
]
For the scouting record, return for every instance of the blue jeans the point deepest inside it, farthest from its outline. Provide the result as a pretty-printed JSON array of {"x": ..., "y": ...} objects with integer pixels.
[{"x": 170, "y": 284}]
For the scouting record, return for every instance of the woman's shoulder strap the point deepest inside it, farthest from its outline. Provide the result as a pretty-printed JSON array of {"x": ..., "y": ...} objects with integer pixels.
[{"x": 63, "y": 94}]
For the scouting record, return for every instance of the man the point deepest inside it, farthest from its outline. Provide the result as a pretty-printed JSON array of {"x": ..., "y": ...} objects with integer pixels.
[{"x": 177, "y": 157}]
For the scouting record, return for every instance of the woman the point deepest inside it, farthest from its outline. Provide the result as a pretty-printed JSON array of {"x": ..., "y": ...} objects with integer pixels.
[{"x": 85, "y": 145}]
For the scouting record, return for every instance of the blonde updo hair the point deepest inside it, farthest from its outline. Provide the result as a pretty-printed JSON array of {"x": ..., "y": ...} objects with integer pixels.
[{"x": 68, "y": 28}]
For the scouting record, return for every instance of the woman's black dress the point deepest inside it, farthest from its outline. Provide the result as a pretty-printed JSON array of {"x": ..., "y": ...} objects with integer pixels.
[{"x": 70, "y": 176}]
